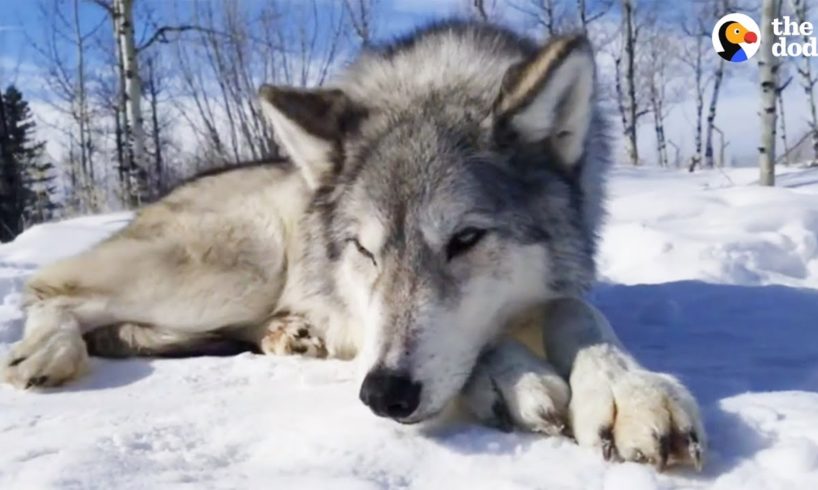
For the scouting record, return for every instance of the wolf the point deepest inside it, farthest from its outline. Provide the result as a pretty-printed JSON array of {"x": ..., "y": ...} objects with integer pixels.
[{"x": 436, "y": 220}]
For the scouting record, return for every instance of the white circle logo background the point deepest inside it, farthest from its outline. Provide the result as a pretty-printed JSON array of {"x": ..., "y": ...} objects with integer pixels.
[{"x": 746, "y": 21}]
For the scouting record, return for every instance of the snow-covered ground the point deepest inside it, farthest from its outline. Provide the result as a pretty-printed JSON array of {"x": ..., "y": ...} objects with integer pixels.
[{"x": 707, "y": 276}]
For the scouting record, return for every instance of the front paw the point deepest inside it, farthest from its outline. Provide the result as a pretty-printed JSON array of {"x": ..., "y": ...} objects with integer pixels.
[
  {"x": 49, "y": 359},
  {"x": 511, "y": 388},
  {"x": 291, "y": 334},
  {"x": 631, "y": 414}
]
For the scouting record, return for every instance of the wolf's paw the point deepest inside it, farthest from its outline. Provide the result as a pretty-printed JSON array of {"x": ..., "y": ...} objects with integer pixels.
[
  {"x": 511, "y": 388},
  {"x": 632, "y": 414},
  {"x": 291, "y": 335},
  {"x": 48, "y": 359}
]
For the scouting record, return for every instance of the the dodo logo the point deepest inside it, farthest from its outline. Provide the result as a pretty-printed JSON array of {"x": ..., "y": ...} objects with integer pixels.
[{"x": 736, "y": 37}]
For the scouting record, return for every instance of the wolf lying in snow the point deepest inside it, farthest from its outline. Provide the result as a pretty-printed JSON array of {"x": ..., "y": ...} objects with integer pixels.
[{"x": 443, "y": 199}]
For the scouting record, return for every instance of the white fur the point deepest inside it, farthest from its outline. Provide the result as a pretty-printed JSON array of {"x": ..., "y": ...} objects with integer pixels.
[
  {"x": 310, "y": 153},
  {"x": 612, "y": 392},
  {"x": 571, "y": 85},
  {"x": 52, "y": 350},
  {"x": 529, "y": 390}
]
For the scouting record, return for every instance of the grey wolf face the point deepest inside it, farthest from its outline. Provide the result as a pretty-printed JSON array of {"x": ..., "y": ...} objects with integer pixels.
[{"x": 438, "y": 214}]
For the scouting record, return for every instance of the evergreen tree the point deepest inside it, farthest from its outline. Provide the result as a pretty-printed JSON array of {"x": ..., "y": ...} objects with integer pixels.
[{"x": 26, "y": 182}]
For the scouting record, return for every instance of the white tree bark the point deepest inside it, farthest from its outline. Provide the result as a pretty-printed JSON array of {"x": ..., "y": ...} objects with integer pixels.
[
  {"x": 87, "y": 174},
  {"x": 808, "y": 79},
  {"x": 631, "y": 103},
  {"x": 123, "y": 21},
  {"x": 768, "y": 75},
  {"x": 718, "y": 76},
  {"x": 657, "y": 80},
  {"x": 699, "y": 84}
]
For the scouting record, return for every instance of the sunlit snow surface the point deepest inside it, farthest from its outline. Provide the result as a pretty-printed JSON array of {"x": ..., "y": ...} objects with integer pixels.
[{"x": 707, "y": 276}]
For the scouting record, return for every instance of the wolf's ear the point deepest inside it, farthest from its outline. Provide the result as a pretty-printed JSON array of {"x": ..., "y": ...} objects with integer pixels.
[
  {"x": 548, "y": 99},
  {"x": 311, "y": 125}
]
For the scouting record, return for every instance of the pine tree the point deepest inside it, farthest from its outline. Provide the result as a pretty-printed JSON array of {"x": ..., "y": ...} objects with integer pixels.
[{"x": 26, "y": 182}]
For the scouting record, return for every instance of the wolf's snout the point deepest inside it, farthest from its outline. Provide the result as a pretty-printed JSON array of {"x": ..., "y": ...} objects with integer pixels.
[{"x": 390, "y": 393}]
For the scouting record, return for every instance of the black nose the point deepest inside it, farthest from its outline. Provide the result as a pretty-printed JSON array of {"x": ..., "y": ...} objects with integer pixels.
[{"x": 390, "y": 393}]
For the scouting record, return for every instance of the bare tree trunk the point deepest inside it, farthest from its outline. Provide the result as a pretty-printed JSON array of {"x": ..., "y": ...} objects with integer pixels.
[
  {"x": 119, "y": 141},
  {"x": 699, "y": 82},
  {"x": 656, "y": 96},
  {"x": 630, "y": 80},
  {"x": 7, "y": 193},
  {"x": 87, "y": 171},
  {"x": 582, "y": 10},
  {"x": 768, "y": 74},
  {"x": 661, "y": 145},
  {"x": 808, "y": 80},
  {"x": 722, "y": 146},
  {"x": 711, "y": 114},
  {"x": 133, "y": 103},
  {"x": 677, "y": 153},
  {"x": 657, "y": 73},
  {"x": 124, "y": 149},
  {"x": 156, "y": 131},
  {"x": 783, "y": 121}
]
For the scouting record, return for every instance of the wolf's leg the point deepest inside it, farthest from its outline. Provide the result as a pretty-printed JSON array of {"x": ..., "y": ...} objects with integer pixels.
[
  {"x": 132, "y": 339},
  {"x": 617, "y": 406},
  {"x": 181, "y": 292},
  {"x": 511, "y": 387}
]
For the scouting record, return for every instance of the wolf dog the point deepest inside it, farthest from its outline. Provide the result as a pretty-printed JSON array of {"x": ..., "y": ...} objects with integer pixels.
[{"x": 436, "y": 220}]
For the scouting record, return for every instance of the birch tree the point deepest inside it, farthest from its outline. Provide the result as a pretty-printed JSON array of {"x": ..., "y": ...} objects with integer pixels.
[
  {"x": 768, "y": 76},
  {"x": 82, "y": 113},
  {"x": 715, "y": 11},
  {"x": 132, "y": 98},
  {"x": 658, "y": 88},
  {"x": 718, "y": 78},
  {"x": 807, "y": 77},
  {"x": 626, "y": 81},
  {"x": 693, "y": 57},
  {"x": 782, "y": 117}
]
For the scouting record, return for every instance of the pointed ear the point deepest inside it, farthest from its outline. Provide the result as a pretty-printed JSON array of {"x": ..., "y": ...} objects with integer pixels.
[
  {"x": 311, "y": 125},
  {"x": 549, "y": 99}
]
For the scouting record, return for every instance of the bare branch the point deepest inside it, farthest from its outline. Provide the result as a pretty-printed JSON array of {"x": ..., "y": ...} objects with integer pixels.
[
  {"x": 160, "y": 35},
  {"x": 480, "y": 7}
]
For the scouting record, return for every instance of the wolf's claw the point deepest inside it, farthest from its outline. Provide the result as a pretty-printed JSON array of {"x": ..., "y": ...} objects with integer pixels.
[{"x": 36, "y": 381}]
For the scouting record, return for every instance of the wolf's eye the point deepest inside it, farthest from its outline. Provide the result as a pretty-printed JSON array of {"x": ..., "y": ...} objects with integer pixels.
[
  {"x": 363, "y": 251},
  {"x": 463, "y": 241}
]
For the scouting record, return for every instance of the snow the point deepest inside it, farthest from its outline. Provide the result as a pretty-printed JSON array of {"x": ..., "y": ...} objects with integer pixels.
[{"x": 708, "y": 276}]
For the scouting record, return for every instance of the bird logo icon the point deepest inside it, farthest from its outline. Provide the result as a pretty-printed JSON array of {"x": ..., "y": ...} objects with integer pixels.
[{"x": 736, "y": 38}]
